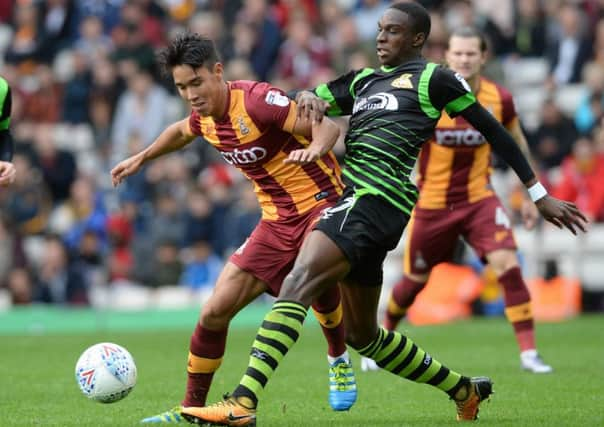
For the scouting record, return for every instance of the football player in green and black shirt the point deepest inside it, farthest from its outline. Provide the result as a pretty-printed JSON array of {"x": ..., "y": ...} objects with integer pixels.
[
  {"x": 7, "y": 169},
  {"x": 394, "y": 110}
]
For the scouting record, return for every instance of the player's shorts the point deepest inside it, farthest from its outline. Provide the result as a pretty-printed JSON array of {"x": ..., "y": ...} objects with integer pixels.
[
  {"x": 365, "y": 228},
  {"x": 270, "y": 251},
  {"x": 433, "y": 233}
]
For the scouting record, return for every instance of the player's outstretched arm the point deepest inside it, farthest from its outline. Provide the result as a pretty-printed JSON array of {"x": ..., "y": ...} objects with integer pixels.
[
  {"x": 174, "y": 137},
  {"x": 559, "y": 212}
]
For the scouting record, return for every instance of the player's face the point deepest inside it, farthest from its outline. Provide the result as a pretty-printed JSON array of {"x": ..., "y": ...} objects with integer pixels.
[
  {"x": 464, "y": 56},
  {"x": 396, "y": 42},
  {"x": 202, "y": 88}
]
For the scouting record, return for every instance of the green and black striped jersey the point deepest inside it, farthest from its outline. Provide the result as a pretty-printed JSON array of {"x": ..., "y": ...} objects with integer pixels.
[
  {"x": 393, "y": 112},
  {"x": 5, "y": 104}
]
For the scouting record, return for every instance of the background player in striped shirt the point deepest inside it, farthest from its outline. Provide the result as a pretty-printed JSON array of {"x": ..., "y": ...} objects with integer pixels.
[
  {"x": 7, "y": 169},
  {"x": 456, "y": 199},
  {"x": 255, "y": 128},
  {"x": 394, "y": 110}
]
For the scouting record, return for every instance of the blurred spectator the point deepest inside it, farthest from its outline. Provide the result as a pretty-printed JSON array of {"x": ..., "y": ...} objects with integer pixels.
[
  {"x": 202, "y": 268},
  {"x": 11, "y": 250},
  {"x": 257, "y": 37},
  {"x": 168, "y": 222},
  {"x": 59, "y": 26},
  {"x": 570, "y": 48},
  {"x": 167, "y": 267},
  {"x": 58, "y": 166},
  {"x": 243, "y": 216},
  {"x": 141, "y": 113},
  {"x": 530, "y": 33},
  {"x": 26, "y": 45},
  {"x": 366, "y": 12},
  {"x": 58, "y": 280},
  {"x": 42, "y": 97},
  {"x": 76, "y": 92},
  {"x": 581, "y": 179},
  {"x": 554, "y": 137},
  {"x": 302, "y": 54},
  {"x": 121, "y": 258},
  {"x": 83, "y": 211},
  {"x": 199, "y": 220},
  {"x": 28, "y": 204},
  {"x": 591, "y": 109},
  {"x": 90, "y": 255},
  {"x": 93, "y": 42},
  {"x": 108, "y": 11},
  {"x": 20, "y": 284}
]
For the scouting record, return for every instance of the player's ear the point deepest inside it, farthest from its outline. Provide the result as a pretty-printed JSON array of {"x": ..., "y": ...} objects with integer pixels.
[
  {"x": 218, "y": 69},
  {"x": 419, "y": 39}
]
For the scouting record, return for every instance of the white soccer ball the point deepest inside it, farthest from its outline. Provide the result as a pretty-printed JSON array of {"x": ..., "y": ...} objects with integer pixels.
[{"x": 106, "y": 372}]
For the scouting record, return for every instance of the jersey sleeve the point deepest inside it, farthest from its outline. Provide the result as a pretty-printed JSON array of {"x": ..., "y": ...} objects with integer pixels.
[
  {"x": 268, "y": 106},
  {"x": 449, "y": 91},
  {"x": 339, "y": 93},
  {"x": 508, "y": 109}
]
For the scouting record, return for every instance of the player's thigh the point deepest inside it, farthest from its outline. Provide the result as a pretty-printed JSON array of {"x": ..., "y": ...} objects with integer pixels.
[
  {"x": 234, "y": 289},
  {"x": 269, "y": 254},
  {"x": 488, "y": 228},
  {"x": 430, "y": 239},
  {"x": 319, "y": 266}
]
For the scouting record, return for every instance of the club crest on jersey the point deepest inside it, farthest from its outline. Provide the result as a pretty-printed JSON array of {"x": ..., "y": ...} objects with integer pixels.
[
  {"x": 379, "y": 101},
  {"x": 403, "y": 82},
  {"x": 242, "y": 126},
  {"x": 275, "y": 98}
]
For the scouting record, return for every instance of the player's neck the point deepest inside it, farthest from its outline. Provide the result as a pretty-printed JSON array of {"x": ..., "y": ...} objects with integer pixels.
[
  {"x": 223, "y": 102},
  {"x": 474, "y": 83}
]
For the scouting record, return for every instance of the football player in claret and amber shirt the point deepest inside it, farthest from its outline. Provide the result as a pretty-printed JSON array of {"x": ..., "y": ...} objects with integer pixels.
[
  {"x": 256, "y": 128},
  {"x": 456, "y": 199}
]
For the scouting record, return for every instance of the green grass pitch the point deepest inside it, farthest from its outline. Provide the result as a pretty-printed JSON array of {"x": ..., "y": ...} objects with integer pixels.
[{"x": 37, "y": 385}]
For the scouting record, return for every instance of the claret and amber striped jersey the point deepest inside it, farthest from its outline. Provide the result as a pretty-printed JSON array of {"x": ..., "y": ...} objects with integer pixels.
[
  {"x": 454, "y": 167},
  {"x": 252, "y": 137}
]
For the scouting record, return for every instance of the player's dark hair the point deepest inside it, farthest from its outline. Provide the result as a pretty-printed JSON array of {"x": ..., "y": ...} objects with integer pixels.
[
  {"x": 420, "y": 18},
  {"x": 188, "y": 49},
  {"x": 470, "y": 33}
]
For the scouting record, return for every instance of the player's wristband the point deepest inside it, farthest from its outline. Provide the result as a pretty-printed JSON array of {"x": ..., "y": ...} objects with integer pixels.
[{"x": 537, "y": 192}]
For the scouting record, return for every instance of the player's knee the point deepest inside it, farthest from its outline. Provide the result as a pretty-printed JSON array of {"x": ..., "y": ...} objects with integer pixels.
[
  {"x": 215, "y": 316},
  {"x": 502, "y": 261},
  {"x": 295, "y": 283}
]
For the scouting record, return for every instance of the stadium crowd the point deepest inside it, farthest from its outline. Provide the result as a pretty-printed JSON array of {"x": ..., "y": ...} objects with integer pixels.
[{"x": 86, "y": 94}]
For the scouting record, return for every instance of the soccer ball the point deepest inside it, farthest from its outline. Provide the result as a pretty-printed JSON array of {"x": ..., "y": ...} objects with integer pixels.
[{"x": 106, "y": 372}]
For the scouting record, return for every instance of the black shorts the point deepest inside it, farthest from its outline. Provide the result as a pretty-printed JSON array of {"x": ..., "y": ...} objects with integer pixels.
[{"x": 365, "y": 228}]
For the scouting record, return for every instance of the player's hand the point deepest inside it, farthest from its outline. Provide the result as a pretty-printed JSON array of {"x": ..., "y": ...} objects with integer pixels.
[
  {"x": 125, "y": 168},
  {"x": 529, "y": 213},
  {"x": 310, "y": 106},
  {"x": 7, "y": 173},
  {"x": 561, "y": 213},
  {"x": 302, "y": 156}
]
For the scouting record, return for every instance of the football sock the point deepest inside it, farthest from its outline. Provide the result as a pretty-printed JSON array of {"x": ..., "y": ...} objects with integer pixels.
[
  {"x": 396, "y": 353},
  {"x": 328, "y": 311},
  {"x": 518, "y": 307},
  {"x": 278, "y": 333},
  {"x": 205, "y": 356},
  {"x": 402, "y": 296}
]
